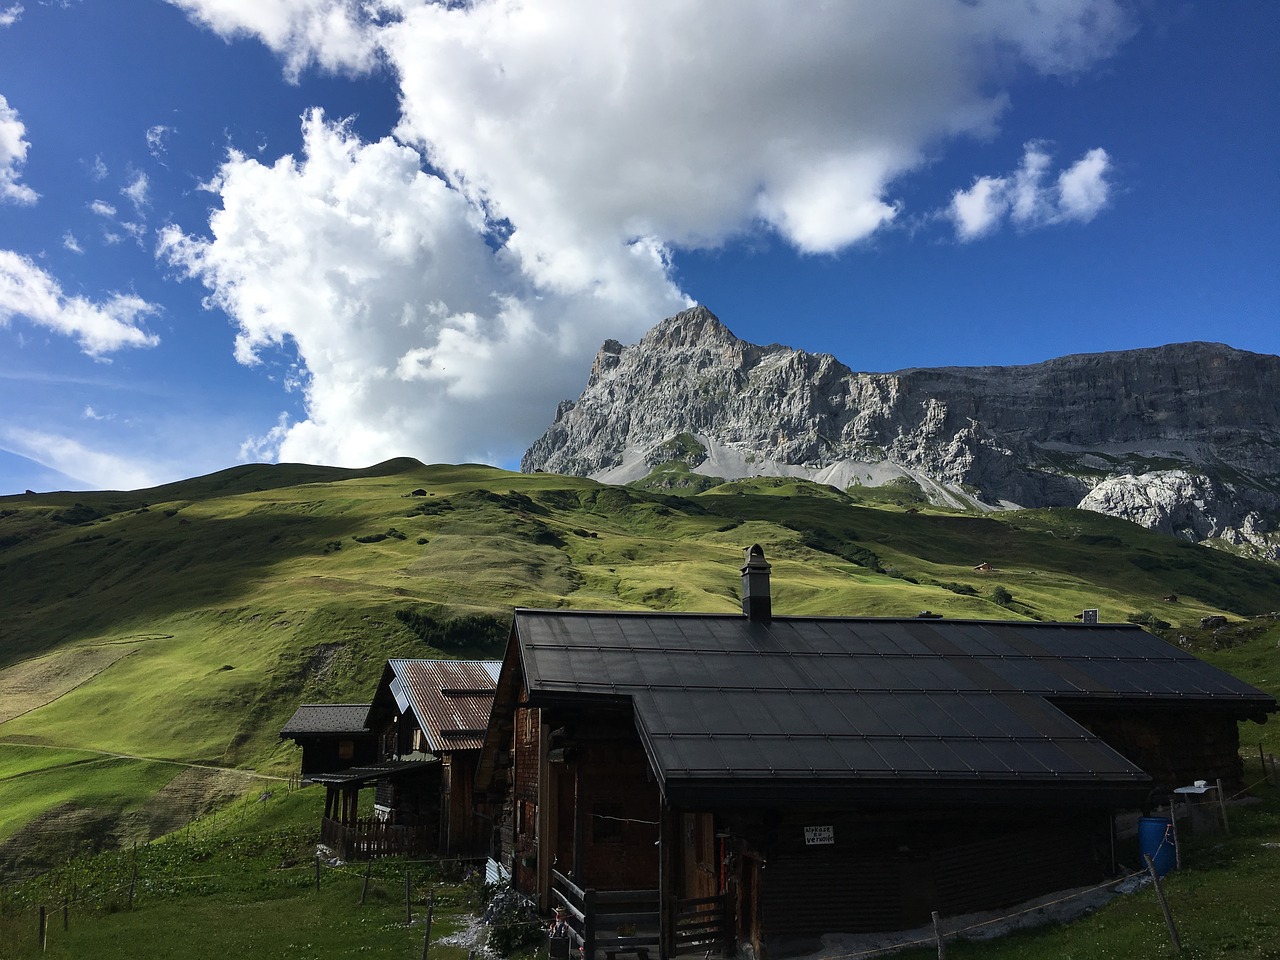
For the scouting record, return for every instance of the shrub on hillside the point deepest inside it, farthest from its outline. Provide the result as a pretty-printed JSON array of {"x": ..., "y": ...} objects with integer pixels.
[
  {"x": 840, "y": 546},
  {"x": 75, "y": 515},
  {"x": 1001, "y": 596},
  {"x": 513, "y": 923},
  {"x": 474, "y": 631},
  {"x": 391, "y": 534},
  {"x": 1148, "y": 619}
]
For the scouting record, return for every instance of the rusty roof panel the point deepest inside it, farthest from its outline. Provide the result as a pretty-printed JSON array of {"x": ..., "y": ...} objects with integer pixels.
[{"x": 451, "y": 699}]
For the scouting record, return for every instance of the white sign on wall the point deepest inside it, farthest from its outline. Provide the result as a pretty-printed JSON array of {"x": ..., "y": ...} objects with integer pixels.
[{"x": 814, "y": 836}]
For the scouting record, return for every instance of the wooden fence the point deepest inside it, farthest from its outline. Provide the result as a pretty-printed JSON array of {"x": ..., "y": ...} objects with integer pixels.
[
  {"x": 704, "y": 926},
  {"x": 369, "y": 838}
]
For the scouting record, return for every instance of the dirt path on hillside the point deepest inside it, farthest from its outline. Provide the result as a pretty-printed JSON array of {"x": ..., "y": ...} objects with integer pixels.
[{"x": 29, "y": 742}]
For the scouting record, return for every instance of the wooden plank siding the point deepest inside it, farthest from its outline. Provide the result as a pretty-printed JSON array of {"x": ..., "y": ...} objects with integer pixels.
[
  {"x": 890, "y": 873},
  {"x": 1177, "y": 747}
]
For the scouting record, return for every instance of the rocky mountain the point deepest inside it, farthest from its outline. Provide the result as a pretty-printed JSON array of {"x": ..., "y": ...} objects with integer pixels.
[{"x": 1183, "y": 438}]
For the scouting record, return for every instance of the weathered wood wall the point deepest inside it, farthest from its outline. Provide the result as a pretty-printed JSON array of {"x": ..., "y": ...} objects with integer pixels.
[
  {"x": 888, "y": 871},
  {"x": 1176, "y": 748}
]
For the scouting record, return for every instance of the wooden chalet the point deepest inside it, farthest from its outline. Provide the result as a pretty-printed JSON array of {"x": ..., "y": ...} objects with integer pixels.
[
  {"x": 421, "y": 740},
  {"x": 686, "y": 782},
  {"x": 436, "y": 711},
  {"x": 332, "y": 736}
]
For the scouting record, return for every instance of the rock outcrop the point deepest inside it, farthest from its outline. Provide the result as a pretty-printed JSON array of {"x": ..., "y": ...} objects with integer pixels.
[{"x": 1183, "y": 438}]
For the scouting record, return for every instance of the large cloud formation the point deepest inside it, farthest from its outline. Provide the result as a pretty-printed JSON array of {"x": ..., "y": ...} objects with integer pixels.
[
  {"x": 572, "y": 146},
  {"x": 416, "y": 335}
]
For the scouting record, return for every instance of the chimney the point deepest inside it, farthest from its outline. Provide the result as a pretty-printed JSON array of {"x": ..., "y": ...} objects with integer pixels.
[{"x": 756, "y": 604}]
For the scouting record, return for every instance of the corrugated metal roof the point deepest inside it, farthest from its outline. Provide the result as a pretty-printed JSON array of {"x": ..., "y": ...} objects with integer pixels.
[
  {"x": 333, "y": 718},
  {"x": 722, "y": 700},
  {"x": 451, "y": 699}
]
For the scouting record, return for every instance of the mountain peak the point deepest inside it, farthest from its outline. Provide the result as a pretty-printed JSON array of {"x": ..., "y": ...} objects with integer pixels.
[
  {"x": 688, "y": 328},
  {"x": 1038, "y": 435}
]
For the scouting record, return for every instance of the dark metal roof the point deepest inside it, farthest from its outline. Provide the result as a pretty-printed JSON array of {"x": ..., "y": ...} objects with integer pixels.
[
  {"x": 732, "y": 707},
  {"x": 337, "y": 719},
  {"x": 451, "y": 699},
  {"x": 386, "y": 769}
]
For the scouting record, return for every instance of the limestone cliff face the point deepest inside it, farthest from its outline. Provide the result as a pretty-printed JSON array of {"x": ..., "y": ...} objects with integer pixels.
[{"x": 1183, "y": 438}]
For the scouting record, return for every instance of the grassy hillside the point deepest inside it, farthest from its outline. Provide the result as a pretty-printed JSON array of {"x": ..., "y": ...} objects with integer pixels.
[{"x": 152, "y": 643}]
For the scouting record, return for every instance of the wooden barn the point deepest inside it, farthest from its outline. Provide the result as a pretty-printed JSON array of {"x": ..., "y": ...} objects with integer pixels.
[
  {"x": 416, "y": 747},
  {"x": 332, "y": 736},
  {"x": 686, "y": 782},
  {"x": 434, "y": 712}
]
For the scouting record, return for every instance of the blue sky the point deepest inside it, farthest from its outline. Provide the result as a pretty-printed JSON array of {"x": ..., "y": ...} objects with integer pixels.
[{"x": 335, "y": 232}]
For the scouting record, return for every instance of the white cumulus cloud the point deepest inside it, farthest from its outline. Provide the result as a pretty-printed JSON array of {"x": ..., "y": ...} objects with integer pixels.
[
  {"x": 10, "y": 15},
  {"x": 13, "y": 154},
  {"x": 138, "y": 192},
  {"x": 158, "y": 140},
  {"x": 416, "y": 336},
  {"x": 333, "y": 34},
  {"x": 1029, "y": 198},
  {"x": 100, "y": 328}
]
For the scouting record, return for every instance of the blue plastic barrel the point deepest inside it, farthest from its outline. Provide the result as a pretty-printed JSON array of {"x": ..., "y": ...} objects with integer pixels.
[{"x": 1155, "y": 840}]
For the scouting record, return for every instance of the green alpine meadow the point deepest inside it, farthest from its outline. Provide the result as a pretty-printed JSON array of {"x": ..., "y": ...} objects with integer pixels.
[{"x": 154, "y": 642}]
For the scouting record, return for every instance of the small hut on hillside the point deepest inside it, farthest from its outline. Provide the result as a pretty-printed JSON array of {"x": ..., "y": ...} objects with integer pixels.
[{"x": 416, "y": 745}]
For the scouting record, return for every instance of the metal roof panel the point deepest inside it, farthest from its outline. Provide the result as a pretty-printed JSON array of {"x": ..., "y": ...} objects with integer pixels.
[
  {"x": 451, "y": 699},
  {"x": 725, "y": 698}
]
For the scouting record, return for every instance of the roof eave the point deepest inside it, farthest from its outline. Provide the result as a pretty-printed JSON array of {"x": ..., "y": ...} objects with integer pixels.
[{"x": 924, "y": 792}]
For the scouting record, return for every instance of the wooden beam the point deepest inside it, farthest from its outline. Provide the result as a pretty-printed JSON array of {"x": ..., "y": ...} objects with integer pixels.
[
  {"x": 546, "y": 817},
  {"x": 668, "y": 839}
]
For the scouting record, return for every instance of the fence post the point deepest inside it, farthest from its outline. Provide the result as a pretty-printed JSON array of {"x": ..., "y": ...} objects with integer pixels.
[
  {"x": 1164, "y": 904},
  {"x": 317, "y": 873},
  {"x": 43, "y": 925},
  {"x": 133, "y": 878},
  {"x": 1222, "y": 806},
  {"x": 365, "y": 889},
  {"x": 589, "y": 924},
  {"x": 408, "y": 904},
  {"x": 937, "y": 935},
  {"x": 426, "y": 937}
]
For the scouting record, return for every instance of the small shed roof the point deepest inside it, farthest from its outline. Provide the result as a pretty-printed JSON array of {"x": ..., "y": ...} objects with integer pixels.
[
  {"x": 451, "y": 699},
  {"x": 384, "y": 770},
  {"x": 744, "y": 710},
  {"x": 319, "y": 719}
]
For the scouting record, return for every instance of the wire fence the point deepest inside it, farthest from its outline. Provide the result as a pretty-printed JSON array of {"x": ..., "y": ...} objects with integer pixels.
[
  {"x": 129, "y": 880},
  {"x": 79, "y": 892}
]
